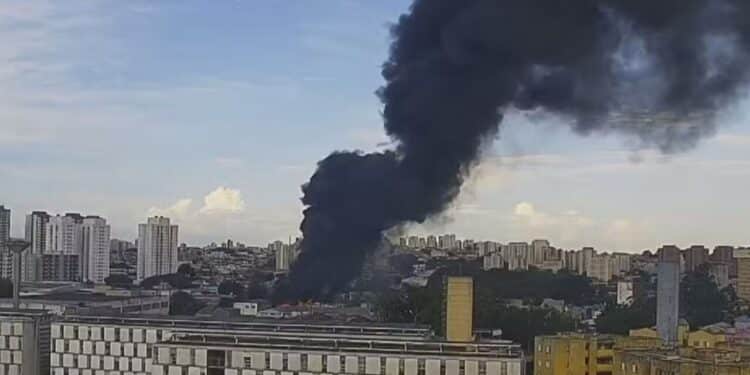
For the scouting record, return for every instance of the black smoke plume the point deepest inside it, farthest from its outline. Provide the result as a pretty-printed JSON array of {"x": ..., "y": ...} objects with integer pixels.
[{"x": 654, "y": 70}]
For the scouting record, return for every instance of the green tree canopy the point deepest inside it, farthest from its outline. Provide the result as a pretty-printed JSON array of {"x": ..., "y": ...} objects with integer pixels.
[{"x": 182, "y": 303}]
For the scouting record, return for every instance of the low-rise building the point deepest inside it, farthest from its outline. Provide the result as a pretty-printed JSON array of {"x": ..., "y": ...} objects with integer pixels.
[
  {"x": 573, "y": 353},
  {"x": 272, "y": 354},
  {"x": 24, "y": 342},
  {"x": 685, "y": 361},
  {"x": 150, "y": 346}
]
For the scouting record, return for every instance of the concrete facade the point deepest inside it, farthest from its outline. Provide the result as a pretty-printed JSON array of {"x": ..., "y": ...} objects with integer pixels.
[
  {"x": 668, "y": 294},
  {"x": 24, "y": 342},
  {"x": 459, "y": 309},
  {"x": 573, "y": 353},
  {"x": 86, "y": 345},
  {"x": 157, "y": 248},
  {"x": 6, "y": 257}
]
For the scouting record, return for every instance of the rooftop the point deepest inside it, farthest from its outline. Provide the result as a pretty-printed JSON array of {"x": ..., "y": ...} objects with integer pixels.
[
  {"x": 277, "y": 327},
  {"x": 384, "y": 346}
]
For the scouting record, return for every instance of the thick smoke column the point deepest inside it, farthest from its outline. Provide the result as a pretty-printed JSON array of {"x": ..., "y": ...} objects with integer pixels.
[{"x": 653, "y": 70}]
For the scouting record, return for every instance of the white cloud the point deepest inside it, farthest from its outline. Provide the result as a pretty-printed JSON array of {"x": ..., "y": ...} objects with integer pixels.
[
  {"x": 524, "y": 209},
  {"x": 223, "y": 200},
  {"x": 568, "y": 227},
  {"x": 179, "y": 210}
]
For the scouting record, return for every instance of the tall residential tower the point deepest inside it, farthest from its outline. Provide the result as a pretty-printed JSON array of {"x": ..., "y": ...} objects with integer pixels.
[
  {"x": 6, "y": 258},
  {"x": 157, "y": 248},
  {"x": 95, "y": 249}
]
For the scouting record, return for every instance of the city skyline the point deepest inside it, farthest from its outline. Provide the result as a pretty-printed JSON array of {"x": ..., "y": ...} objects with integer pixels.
[{"x": 218, "y": 161}]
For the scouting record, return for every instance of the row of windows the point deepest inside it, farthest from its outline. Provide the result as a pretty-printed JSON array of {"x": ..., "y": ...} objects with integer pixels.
[
  {"x": 11, "y": 329},
  {"x": 108, "y": 333},
  {"x": 69, "y": 361},
  {"x": 11, "y": 342},
  {"x": 103, "y": 348},
  {"x": 325, "y": 363},
  {"x": 10, "y": 369}
]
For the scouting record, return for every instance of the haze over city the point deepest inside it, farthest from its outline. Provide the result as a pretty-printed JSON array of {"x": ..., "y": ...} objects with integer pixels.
[{"x": 214, "y": 115}]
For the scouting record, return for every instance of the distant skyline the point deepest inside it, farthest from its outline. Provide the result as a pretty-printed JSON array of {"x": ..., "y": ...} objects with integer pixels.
[{"x": 214, "y": 114}]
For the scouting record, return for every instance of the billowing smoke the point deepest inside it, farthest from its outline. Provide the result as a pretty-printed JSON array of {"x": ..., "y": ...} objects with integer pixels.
[{"x": 654, "y": 70}]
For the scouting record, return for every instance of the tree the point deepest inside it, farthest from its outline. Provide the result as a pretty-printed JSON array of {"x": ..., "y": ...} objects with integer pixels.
[
  {"x": 228, "y": 287},
  {"x": 186, "y": 270},
  {"x": 6, "y": 288},
  {"x": 619, "y": 319},
  {"x": 181, "y": 303},
  {"x": 702, "y": 303}
]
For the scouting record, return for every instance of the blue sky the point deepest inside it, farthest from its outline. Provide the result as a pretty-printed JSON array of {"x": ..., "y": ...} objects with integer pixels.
[{"x": 215, "y": 112}]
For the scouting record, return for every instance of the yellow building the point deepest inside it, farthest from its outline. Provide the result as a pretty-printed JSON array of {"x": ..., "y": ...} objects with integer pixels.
[
  {"x": 687, "y": 361},
  {"x": 683, "y": 331},
  {"x": 459, "y": 309},
  {"x": 573, "y": 354},
  {"x": 706, "y": 338},
  {"x": 702, "y": 338}
]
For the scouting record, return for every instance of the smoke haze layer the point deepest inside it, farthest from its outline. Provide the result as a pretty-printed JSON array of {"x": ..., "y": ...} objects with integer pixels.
[{"x": 656, "y": 71}]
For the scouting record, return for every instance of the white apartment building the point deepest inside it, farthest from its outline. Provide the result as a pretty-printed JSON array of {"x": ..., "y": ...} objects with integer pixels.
[
  {"x": 599, "y": 267},
  {"x": 284, "y": 257},
  {"x": 538, "y": 250},
  {"x": 64, "y": 235},
  {"x": 493, "y": 261},
  {"x": 95, "y": 249},
  {"x": 6, "y": 257},
  {"x": 36, "y": 235},
  {"x": 157, "y": 248},
  {"x": 447, "y": 242}
]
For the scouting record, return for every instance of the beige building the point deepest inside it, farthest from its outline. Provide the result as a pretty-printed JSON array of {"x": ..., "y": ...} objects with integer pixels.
[
  {"x": 686, "y": 361},
  {"x": 88, "y": 345},
  {"x": 274, "y": 355},
  {"x": 743, "y": 273},
  {"x": 24, "y": 342}
]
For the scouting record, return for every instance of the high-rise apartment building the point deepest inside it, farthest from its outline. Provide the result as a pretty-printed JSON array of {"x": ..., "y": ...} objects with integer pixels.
[
  {"x": 284, "y": 256},
  {"x": 668, "y": 294},
  {"x": 538, "y": 250},
  {"x": 6, "y": 257},
  {"x": 695, "y": 256},
  {"x": 725, "y": 254},
  {"x": 36, "y": 235},
  {"x": 599, "y": 267},
  {"x": 95, "y": 249},
  {"x": 743, "y": 273},
  {"x": 64, "y": 234},
  {"x": 157, "y": 248}
]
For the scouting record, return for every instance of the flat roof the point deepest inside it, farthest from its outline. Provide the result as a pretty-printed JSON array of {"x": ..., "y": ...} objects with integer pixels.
[
  {"x": 383, "y": 346},
  {"x": 22, "y": 312},
  {"x": 278, "y": 327}
]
